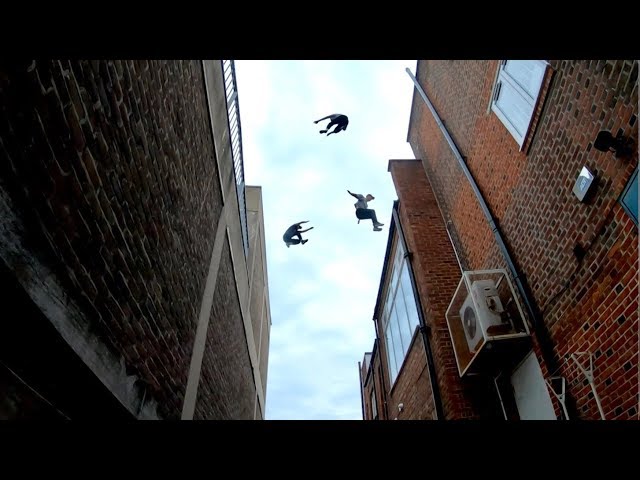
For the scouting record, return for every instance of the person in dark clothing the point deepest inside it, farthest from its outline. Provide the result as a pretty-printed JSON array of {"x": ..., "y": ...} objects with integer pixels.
[
  {"x": 294, "y": 231},
  {"x": 363, "y": 211},
  {"x": 337, "y": 119}
]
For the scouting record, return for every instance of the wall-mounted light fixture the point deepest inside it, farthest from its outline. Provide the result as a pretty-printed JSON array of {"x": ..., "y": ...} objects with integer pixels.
[{"x": 606, "y": 142}]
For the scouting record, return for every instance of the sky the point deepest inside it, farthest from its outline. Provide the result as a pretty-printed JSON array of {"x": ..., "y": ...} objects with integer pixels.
[{"x": 323, "y": 293}]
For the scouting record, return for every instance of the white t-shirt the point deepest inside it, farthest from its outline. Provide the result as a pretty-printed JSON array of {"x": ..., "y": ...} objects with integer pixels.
[{"x": 361, "y": 203}]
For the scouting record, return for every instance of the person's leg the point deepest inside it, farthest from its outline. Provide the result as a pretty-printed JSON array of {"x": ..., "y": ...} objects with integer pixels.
[
  {"x": 363, "y": 213},
  {"x": 296, "y": 242},
  {"x": 374, "y": 219},
  {"x": 289, "y": 240},
  {"x": 339, "y": 128},
  {"x": 368, "y": 213},
  {"x": 331, "y": 124}
]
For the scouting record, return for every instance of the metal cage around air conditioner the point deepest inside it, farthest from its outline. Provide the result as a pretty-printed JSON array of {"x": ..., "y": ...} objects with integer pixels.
[{"x": 486, "y": 322}]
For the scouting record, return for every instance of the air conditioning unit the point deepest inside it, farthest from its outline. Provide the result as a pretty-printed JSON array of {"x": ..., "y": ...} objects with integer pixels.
[
  {"x": 487, "y": 327},
  {"x": 481, "y": 310}
]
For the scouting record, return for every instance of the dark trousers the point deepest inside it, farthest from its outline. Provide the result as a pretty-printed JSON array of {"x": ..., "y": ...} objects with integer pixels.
[
  {"x": 291, "y": 240},
  {"x": 340, "y": 126},
  {"x": 366, "y": 213}
]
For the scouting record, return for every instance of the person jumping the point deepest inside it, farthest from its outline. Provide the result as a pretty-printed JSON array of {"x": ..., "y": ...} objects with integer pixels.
[
  {"x": 337, "y": 119},
  {"x": 364, "y": 212},
  {"x": 293, "y": 231}
]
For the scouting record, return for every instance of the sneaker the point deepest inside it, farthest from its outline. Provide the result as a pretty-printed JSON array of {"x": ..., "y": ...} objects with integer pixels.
[
  {"x": 305, "y": 241},
  {"x": 288, "y": 244},
  {"x": 377, "y": 229},
  {"x": 378, "y": 224}
]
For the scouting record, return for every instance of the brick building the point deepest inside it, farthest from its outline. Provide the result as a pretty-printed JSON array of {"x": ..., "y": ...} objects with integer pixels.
[
  {"x": 505, "y": 154},
  {"x": 132, "y": 263}
]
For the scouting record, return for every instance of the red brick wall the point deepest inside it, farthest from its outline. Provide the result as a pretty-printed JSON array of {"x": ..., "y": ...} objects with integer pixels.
[
  {"x": 113, "y": 168},
  {"x": 602, "y": 317},
  {"x": 531, "y": 196},
  {"x": 362, "y": 373},
  {"x": 380, "y": 385},
  {"x": 368, "y": 385},
  {"x": 374, "y": 381},
  {"x": 437, "y": 275},
  {"x": 413, "y": 387}
]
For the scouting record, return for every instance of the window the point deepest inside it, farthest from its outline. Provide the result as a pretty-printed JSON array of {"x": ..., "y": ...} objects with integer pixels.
[
  {"x": 400, "y": 314},
  {"x": 629, "y": 198},
  {"x": 516, "y": 93},
  {"x": 374, "y": 406}
]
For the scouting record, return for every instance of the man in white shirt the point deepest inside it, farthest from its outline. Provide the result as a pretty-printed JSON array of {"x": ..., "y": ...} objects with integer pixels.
[{"x": 363, "y": 211}]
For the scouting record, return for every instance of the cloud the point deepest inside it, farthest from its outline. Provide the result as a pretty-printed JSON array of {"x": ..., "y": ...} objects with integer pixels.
[{"x": 322, "y": 294}]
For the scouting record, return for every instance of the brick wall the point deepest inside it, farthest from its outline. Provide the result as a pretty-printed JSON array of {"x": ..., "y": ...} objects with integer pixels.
[
  {"x": 530, "y": 194},
  {"x": 437, "y": 275},
  {"x": 226, "y": 390},
  {"x": 260, "y": 311},
  {"x": 256, "y": 278},
  {"x": 103, "y": 159},
  {"x": 413, "y": 387},
  {"x": 376, "y": 381},
  {"x": 367, "y": 387},
  {"x": 264, "y": 346}
]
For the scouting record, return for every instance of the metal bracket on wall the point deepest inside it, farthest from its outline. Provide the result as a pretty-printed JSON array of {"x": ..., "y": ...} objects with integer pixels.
[
  {"x": 560, "y": 396},
  {"x": 588, "y": 373}
]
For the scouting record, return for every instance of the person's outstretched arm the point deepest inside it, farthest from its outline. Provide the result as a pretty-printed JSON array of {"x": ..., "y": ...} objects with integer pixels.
[
  {"x": 328, "y": 116},
  {"x": 302, "y": 231},
  {"x": 357, "y": 195}
]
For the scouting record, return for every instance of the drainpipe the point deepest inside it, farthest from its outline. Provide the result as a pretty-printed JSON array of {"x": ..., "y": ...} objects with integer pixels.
[
  {"x": 539, "y": 327},
  {"x": 424, "y": 328}
]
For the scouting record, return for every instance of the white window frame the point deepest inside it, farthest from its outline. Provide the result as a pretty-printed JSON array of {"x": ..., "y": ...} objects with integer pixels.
[
  {"x": 503, "y": 76},
  {"x": 398, "y": 264}
]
